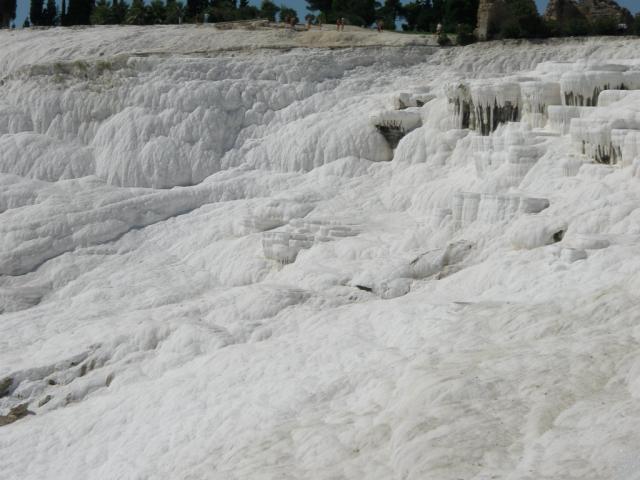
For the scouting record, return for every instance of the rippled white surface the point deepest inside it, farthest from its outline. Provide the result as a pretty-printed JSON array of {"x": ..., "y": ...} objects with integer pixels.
[{"x": 214, "y": 266}]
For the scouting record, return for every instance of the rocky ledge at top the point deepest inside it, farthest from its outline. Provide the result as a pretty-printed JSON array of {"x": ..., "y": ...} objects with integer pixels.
[{"x": 563, "y": 11}]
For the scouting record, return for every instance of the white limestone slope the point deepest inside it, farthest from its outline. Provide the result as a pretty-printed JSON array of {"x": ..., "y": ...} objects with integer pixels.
[{"x": 214, "y": 264}]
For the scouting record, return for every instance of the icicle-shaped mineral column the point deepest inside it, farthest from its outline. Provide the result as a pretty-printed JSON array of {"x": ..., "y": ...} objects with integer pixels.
[
  {"x": 494, "y": 104},
  {"x": 625, "y": 146},
  {"x": 536, "y": 98},
  {"x": 395, "y": 124},
  {"x": 465, "y": 208},
  {"x": 582, "y": 89},
  {"x": 592, "y": 137},
  {"x": 460, "y": 105},
  {"x": 495, "y": 208},
  {"x": 560, "y": 116}
]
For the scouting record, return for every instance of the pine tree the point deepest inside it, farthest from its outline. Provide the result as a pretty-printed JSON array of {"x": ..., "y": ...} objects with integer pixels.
[
  {"x": 50, "y": 14},
  {"x": 223, "y": 11},
  {"x": 268, "y": 9},
  {"x": 7, "y": 12},
  {"x": 63, "y": 13},
  {"x": 247, "y": 11},
  {"x": 419, "y": 16},
  {"x": 438, "y": 10},
  {"x": 35, "y": 12},
  {"x": 101, "y": 13},
  {"x": 358, "y": 12},
  {"x": 157, "y": 12},
  {"x": 389, "y": 12},
  {"x": 26, "y": 23},
  {"x": 137, "y": 14},
  {"x": 174, "y": 12},
  {"x": 287, "y": 12},
  {"x": 464, "y": 12},
  {"x": 323, "y": 6},
  {"x": 119, "y": 11},
  {"x": 196, "y": 7},
  {"x": 79, "y": 12}
]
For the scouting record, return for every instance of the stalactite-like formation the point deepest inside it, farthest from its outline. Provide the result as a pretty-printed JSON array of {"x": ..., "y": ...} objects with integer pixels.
[
  {"x": 469, "y": 207},
  {"x": 395, "y": 124},
  {"x": 584, "y": 88},
  {"x": 460, "y": 105},
  {"x": 537, "y": 96}
]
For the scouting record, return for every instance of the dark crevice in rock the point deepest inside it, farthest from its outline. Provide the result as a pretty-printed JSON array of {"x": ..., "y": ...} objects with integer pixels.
[
  {"x": 366, "y": 289},
  {"x": 392, "y": 132}
]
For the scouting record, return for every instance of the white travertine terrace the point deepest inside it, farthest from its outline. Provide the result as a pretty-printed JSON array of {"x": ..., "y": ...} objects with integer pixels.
[
  {"x": 407, "y": 99},
  {"x": 213, "y": 265},
  {"x": 285, "y": 244},
  {"x": 469, "y": 207}
]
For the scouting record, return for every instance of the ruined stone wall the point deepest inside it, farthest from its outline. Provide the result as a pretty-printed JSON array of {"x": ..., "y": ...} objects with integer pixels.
[{"x": 490, "y": 13}]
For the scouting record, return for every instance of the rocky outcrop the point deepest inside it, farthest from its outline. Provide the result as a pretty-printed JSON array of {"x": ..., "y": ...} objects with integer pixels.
[
  {"x": 563, "y": 11},
  {"x": 16, "y": 413},
  {"x": 594, "y": 9},
  {"x": 5, "y": 386},
  {"x": 492, "y": 14}
]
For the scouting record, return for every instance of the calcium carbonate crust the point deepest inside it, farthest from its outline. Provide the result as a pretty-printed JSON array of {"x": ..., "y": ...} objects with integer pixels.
[{"x": 390, "y": 261}]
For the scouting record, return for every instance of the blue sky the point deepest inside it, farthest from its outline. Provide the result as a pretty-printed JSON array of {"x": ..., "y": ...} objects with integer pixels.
[{"x": 300, "y": 5}]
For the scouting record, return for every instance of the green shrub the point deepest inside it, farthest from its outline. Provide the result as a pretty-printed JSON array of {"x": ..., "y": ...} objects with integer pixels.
[
  {"x": 465, "y": 35},
  {"x": 577, "y": 28},
  {"x": 510, "y": 29},
  {"x": 444, "y": 40},
  {"x": 605, "y": 26}
]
